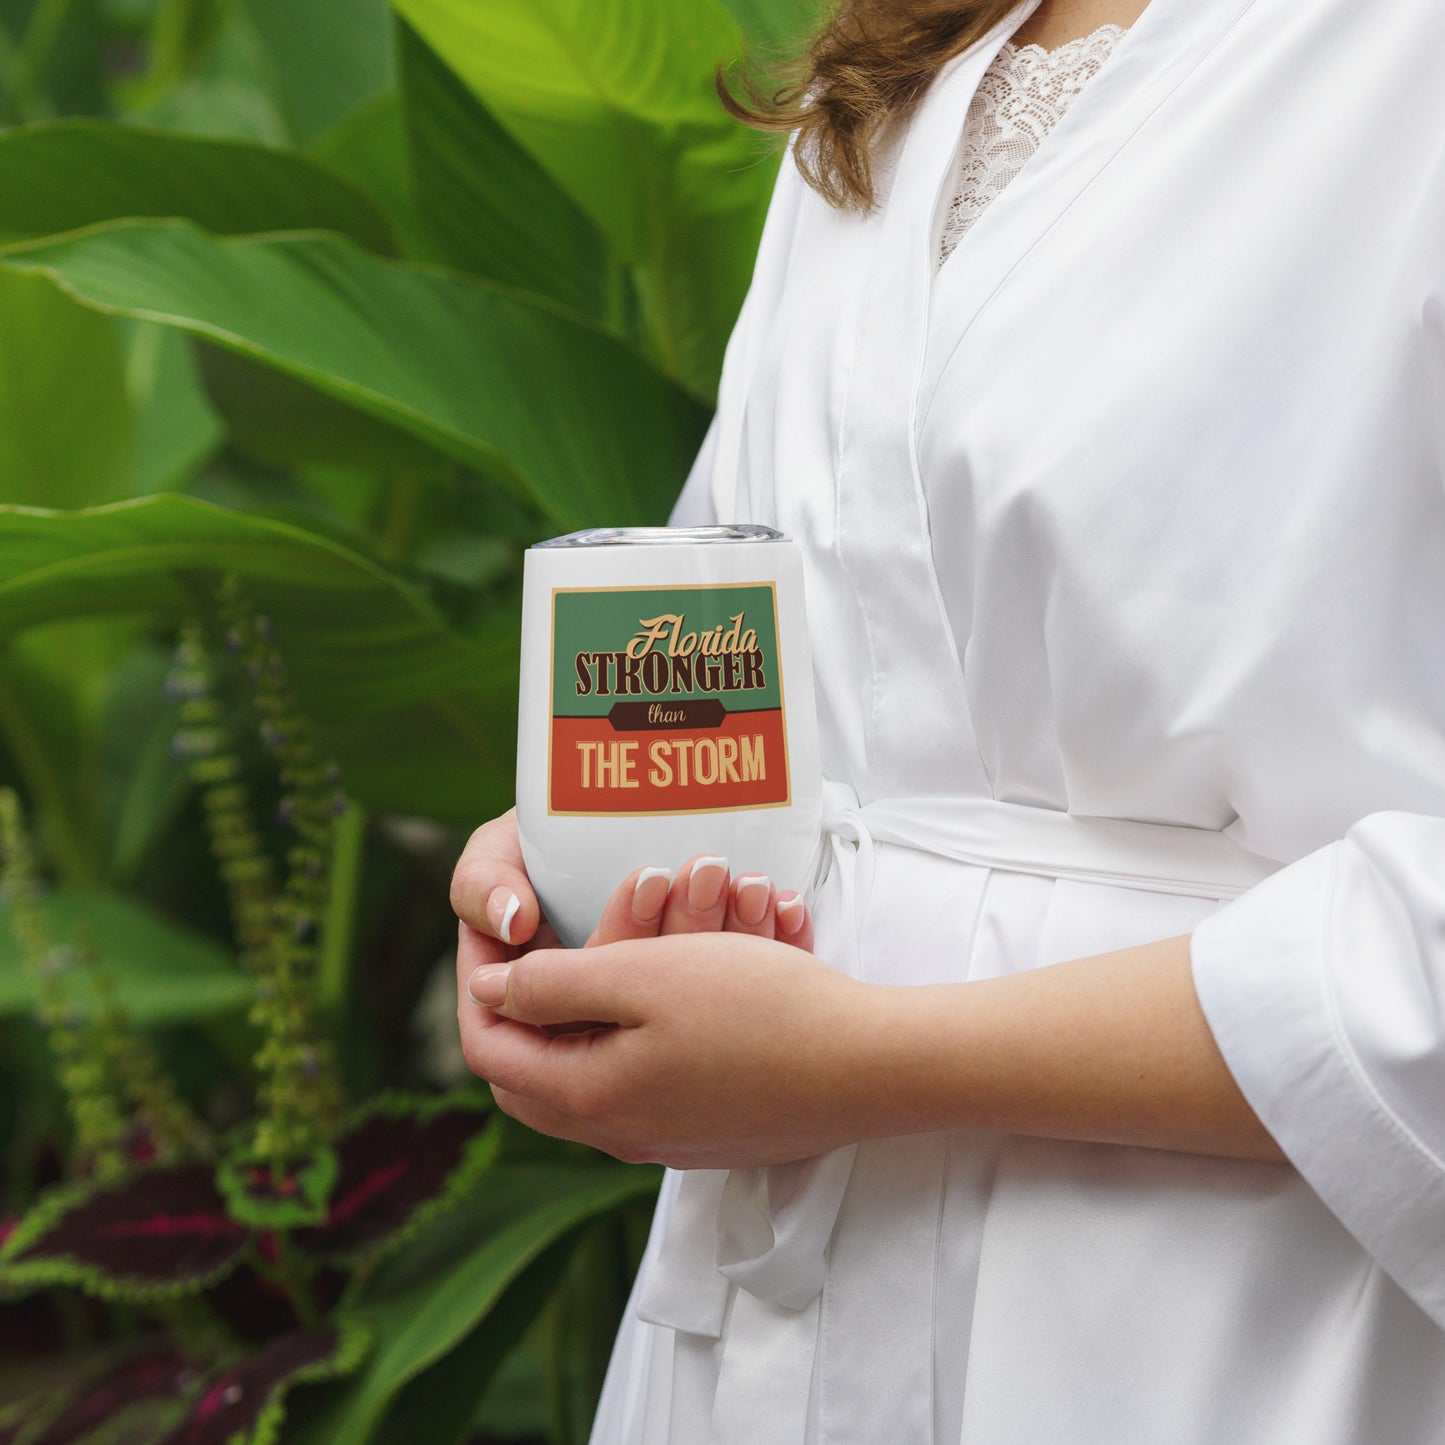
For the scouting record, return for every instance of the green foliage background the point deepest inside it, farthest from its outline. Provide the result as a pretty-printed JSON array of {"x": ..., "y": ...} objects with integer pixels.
[{"x": 352, "y": 301}]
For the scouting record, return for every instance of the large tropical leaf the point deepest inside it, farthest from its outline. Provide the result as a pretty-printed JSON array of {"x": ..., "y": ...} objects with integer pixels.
[
  {"x": 428, "y": 1300},
  {"x": 447, "y": 1393},
  {"x": 775, "y": 28},
  {"x": 163, "y": 973},
  {"x": 367, "y": 146},
  {"x": 82, "y": 721},
  {"x": 275, "y": 417},
  {"x": 55, "y": 690},
  {"x": 372, "y": 662},
  {"x": 208, "y": 74},
  {"x": 493, "y": 210},
  {"x": 556, "y": 408},
  {"x": 617, "y": 102},
  {"x": 66, "y": 428},
  {"x": 325, "y": 54},
  {"x": 76, "y": 172},
  {"x": 176, "y": 426}
]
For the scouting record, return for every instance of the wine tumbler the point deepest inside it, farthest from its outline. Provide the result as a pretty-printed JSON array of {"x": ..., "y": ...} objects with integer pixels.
[{"x": 666, "y": 709}]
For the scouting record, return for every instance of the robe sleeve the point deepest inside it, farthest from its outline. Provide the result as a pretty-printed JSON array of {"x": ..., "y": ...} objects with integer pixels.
[{"x": 1324, "y": 987}]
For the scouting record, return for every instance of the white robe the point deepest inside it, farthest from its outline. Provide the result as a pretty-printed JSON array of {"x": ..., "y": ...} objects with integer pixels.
[{"x": 1135, "y": 510}]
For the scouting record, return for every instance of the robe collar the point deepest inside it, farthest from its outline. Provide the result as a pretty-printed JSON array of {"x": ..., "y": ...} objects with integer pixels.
[
  {"x": 1148, "y": 64},
  {"x": 912, "y": 322}
]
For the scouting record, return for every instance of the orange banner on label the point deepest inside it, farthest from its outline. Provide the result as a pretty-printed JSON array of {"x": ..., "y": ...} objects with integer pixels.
[{"x": 741, "y": 762}]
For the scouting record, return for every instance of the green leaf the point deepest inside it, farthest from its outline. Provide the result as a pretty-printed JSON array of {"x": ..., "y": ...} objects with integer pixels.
[
  {"x": 66, "y": 429},
  {"x": 448, "y": 1393},
  {"x": 177, "y": 429},
  {"x": 326, "y": 55},
  {"x": 78, "y": 172},
  {"x": 429, "y": 1299},
  {"x": 775, "y": 28},
  {"x": 617, "y": 103},
  {"x": 493, "y": 209},
  {"x": 562, "y": 412},
  {"x": 372, "y": 662},
  {"x": 367, "y": 146},
  {"x": 81, "y": 715},
  {"x": 275, "y": 418},
  {"x": 55, "y": 683},
  {"x": 143, "y": 784},
  {"x": 163, "y": 973},
  {"x": 209, "y": 74}
]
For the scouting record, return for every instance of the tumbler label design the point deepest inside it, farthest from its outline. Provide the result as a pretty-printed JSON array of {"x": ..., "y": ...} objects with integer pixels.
[{"x": 666, "y": 700}]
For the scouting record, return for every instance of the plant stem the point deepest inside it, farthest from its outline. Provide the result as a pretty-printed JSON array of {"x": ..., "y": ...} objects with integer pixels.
[
  {"x": 615, "y": 295},
  {"x": 338, "y": 928},
  {"x": 288, "y": 1276},
  {"x": 400, "y": 522}
]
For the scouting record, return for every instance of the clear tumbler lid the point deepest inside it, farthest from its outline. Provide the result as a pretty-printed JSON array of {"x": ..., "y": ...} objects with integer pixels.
[{"x": 664, "y": 536}]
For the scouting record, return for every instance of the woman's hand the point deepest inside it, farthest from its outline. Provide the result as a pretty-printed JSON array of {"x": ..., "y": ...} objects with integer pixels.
[
  {"x": 492, "y": 896},
  {"x": 500, "y": 918},
  {"x": 710, "y": 1050}
]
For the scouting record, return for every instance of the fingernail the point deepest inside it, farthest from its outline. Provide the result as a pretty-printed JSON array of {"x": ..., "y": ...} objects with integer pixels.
[
  {"x": 752, "y": 900},
  {"x": 705, "y": 885},
  {"x": 649, "y": 893},
  {"x": 488, "y": 984},
  {"x": 502, "y": 908},
  {"x": 791, "y": 912}
]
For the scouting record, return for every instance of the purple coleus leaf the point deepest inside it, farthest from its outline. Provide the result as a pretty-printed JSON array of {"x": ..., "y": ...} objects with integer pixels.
[
  {"x": 257, "y": 1199},
  {"x": 160, "y": 1233},
  {"x": 243, "y": 1404},
  {"x": 160, "y": 1374},
  {"x": 401, "y": 1160}
]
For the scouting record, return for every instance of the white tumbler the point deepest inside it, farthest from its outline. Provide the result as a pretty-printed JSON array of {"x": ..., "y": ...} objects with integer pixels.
[{"x": 666, "y": 709}]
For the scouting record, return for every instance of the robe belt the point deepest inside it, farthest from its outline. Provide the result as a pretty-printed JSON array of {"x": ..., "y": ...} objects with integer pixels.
[{"x": 767, "y": 1229}]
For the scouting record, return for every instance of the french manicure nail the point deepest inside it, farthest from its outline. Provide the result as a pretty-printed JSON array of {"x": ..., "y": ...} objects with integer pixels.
[
  {"x": 752, "y": 899},
  {"x": 705, "y": 885},
  {"x": 488, "y": 984},
  {"x": 649, "y": 893},
  {"x": 502, "y": 908},
  {"x": 791, "y": 913}
]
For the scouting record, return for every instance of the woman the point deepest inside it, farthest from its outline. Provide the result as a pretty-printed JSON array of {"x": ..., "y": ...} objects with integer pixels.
[{"x": 1117, "y": 1116}]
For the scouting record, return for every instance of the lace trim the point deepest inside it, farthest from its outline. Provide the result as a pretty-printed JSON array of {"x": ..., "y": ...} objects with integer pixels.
[{"x": 1020, "y": 99}]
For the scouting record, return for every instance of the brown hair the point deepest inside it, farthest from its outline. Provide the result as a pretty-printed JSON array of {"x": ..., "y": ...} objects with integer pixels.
[{"x": 867, "y": 66}]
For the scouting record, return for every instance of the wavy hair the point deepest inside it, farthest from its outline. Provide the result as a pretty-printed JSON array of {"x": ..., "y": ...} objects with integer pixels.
[{"x": 866, "y": 67}]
